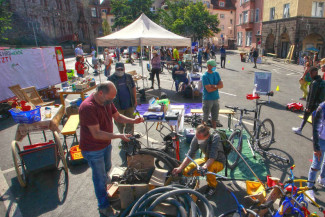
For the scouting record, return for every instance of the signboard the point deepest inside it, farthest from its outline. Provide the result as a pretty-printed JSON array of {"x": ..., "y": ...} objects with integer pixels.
[
  {"x": 61, "y": 64},
  {"x": 263, "y": 81},
  {"x": 28, "y": 67}
]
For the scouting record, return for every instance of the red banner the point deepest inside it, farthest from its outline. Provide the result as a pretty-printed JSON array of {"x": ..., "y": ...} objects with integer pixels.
[{"x": 61, "y": 64}]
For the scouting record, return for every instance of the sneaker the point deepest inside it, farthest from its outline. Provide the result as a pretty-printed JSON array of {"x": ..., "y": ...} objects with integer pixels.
[
  {"x": 296, "y": 130},
  {"x": 311, "y": 194},
  {"x": 321, "y": 181},
  {"x": 210, "y": 192},
  {"x": 219, "y": 124},
  {"x": 109, "y": 211}
]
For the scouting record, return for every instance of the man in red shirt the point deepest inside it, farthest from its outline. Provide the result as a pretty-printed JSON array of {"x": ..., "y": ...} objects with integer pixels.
[{"x": 96, "y": 133}]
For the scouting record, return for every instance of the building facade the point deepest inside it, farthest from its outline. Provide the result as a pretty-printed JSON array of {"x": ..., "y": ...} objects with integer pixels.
[
  {"x": 249, "y": 23},
  {"x": 293, "y": 22},
  {"x": 53, "y": 22},
  {"x": 226, "y": 11}
]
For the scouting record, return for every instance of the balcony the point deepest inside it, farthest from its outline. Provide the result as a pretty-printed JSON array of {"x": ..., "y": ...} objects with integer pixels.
[{"x": 247, "y": 25}]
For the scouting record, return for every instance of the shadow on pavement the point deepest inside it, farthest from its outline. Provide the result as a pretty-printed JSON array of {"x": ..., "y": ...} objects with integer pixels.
[
  {"x": 6, "y": 123},
  {"x": 276, "y": 105},
  {"x": 45, "y": 191}
]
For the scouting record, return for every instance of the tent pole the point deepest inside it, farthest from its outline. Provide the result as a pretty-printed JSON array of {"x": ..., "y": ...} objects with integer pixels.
[
  {"x": 142, "y": 64},
  {"x": 100, "y": 81},
  {"x": 191, "y": 58}
]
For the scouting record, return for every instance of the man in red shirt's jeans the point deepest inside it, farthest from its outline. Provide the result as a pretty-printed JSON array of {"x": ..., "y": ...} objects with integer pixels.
[{"x": 96, "y": 133}]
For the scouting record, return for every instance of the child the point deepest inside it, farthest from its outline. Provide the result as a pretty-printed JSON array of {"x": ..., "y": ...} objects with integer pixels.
[{"x": 79, "y": 66}]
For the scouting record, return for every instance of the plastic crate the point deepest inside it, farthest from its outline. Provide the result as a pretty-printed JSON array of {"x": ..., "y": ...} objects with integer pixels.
[
  {"x": 75, "y": 153},
  {"x": 251, "y": 97},
  {"x": 27, "y": 117},
  {"x": 41, "y": 158}
]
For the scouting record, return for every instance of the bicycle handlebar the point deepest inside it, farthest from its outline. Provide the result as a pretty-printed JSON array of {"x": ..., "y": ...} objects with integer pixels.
[
  {"x": 240, "y": 109},
  {"x": 204, "y": 172}
]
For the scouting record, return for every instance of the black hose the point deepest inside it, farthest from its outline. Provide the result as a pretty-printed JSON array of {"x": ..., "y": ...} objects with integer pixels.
[
  {"x": 208, "y": 207},
  {"x": 147, "y": 214}
]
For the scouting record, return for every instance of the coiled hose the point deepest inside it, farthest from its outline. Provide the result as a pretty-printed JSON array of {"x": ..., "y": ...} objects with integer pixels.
[{"x": 176, "y": 195}]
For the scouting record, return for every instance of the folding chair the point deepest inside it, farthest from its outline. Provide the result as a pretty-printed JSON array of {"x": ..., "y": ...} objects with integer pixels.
[{"x": 16, "y": 89}]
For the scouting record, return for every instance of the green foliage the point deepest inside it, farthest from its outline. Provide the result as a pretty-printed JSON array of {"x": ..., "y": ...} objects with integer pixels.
[
  {"x": 106, "y": 27},
  {"x": 188, "y": 19},
  {"x": 126, "y": 11},
  {"x": 5, "y": 19}
]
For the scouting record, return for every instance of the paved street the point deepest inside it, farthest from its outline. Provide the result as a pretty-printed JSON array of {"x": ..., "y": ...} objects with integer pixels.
[{"x": 46, "y": 196}]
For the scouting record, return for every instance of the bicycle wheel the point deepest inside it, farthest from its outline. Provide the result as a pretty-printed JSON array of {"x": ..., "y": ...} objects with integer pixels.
[
  {"x": 236, "y": 141},
  {"x": 61, "y": 152},
  {"x": 265, "y": 134},
  {"x": 236, "y": 213},
  {"x": 86, "y": 68},
  {"x": 19, "y": 164}
]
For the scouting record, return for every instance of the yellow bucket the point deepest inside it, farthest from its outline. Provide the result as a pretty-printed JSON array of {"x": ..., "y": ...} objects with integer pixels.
[{"x": 254, "y": 188}]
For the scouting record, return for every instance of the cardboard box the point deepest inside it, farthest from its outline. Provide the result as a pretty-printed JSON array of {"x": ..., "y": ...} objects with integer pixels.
[
  {"x": 130, "y": 193},
  {"x": 158, "y": 177},
  {"x": 141, "y": 161}
]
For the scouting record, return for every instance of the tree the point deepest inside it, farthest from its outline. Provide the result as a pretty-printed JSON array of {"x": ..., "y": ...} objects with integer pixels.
[
  {"x": 126, "y": 11},
  {"x": 5, "y": 19},
  {"x": 106, "y": 27},
  {"x": 188, "y": 19}
]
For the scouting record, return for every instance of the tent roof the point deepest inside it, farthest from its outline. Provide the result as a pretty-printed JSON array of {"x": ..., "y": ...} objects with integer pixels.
[{"x": 143, "y": 32}]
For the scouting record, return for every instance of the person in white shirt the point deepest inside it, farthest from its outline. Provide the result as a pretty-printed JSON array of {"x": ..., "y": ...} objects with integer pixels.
[
  {"x": 107, "y": 62},
  {"x": 94, "y": 59},
  {"x": 78, "y": 51}
]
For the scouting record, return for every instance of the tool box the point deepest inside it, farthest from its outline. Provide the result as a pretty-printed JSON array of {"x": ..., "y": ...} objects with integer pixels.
[
  {"x": 172, "y": 115},
  {"x": 153, "y": 115}
]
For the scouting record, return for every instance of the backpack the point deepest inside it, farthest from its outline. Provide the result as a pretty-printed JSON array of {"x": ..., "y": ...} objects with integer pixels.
[
  {"x": 321, "y": 92},
  {"x": 223, "y": 140},
  {"x": 188, "y": 92}
]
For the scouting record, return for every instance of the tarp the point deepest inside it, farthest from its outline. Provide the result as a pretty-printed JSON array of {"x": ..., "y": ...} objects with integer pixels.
[
  {"x": 143, "y": 32},
  {"x": 27, "y": 67}
]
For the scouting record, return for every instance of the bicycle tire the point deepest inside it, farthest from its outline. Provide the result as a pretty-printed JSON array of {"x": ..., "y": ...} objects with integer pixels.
[
  {"x": 263, "y": 132},
  {"x": 231, "y": 213},
  {"x": 233, "y": 157},
  {"x": 87, "y": 68}
]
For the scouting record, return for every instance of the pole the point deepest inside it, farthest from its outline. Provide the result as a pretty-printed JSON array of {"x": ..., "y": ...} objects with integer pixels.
[
  {"x": 100, "y": 66},
  {"x": 141, "y": 48},
  {"x": 191, "y": 58}
]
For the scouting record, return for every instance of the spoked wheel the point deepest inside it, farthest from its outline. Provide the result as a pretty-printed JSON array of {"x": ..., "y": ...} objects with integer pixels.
[
  {"x": 60, "y": 151},
  {"x": 236, "y": 141},
  {"x": 86, "y": 68},
  {"x": 19, "y": 164},
  {"x": 265, "y": 134},
  {"x": 236, "y": 213}
]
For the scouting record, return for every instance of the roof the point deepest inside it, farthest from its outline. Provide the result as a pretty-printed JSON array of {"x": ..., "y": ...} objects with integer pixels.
[
  {"x": 143, "y": 32},
  {"x": 228, "y": 6}
]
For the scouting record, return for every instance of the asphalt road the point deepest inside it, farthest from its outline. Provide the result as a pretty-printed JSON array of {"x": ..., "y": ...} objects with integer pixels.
[{"x": 48, "y": 195}]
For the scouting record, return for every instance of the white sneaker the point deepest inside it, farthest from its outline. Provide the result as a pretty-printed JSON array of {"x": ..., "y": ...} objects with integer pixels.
[
  {"x": 311, "y": 194},
  {"x": 321, "y": 181},
  {"x": 296, "y": 130}
]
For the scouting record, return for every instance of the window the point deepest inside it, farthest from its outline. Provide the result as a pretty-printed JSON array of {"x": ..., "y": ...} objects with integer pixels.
[
  {"x": 230, "y": 21},
  {"x": 59, "y": 4},
  {"x": 240, "y": 18},
  {"x": 222, "y": 27},
  {"x": 248, "y": 38},
  {"x": 239, "y": 38},
  {"x": 230, "y": 31},
  {"x": 67, "y": 5},
  {"x": 257, "y": 15},
  {"x": 286, "y": 8},
  {"x": 104, "y": 11},
  {"x": 70, "y": 28},
  {"x": 93, "y": 12},
  {"x": 112, "y": 20},
  {"x": 222, "y": 16},
  {"x": 153, "y": 9},
  {"x": 272, "y": 13},
  {"x": 221, "y": 4},
  {"x": 317, "y": 9},
  {"x": 258, "y": 32},
  {"x": 251, "y": 16},
  {"x": 245, "y": 17},
  {"x": 240, "y": 2}
]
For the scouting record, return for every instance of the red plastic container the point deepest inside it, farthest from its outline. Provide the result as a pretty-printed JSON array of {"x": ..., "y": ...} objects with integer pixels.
[
  {"x": 37, "y": 145},
  {"x": 251, "y": 97}
]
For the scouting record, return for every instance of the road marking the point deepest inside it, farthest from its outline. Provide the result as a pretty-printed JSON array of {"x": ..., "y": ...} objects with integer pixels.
[
  {"x": 292, "y": 73},
  {"x": 230, "y": 94},
  {"x": 8, "y": 198}
]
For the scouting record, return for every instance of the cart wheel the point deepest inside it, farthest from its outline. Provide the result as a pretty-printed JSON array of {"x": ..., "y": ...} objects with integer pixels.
[
  {"x": 61, "y": 152},
  {"x": 19, "y": 164}
]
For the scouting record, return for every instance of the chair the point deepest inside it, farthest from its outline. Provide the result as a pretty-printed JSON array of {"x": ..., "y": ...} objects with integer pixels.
[
  {"x": 32, "y": 96},
  {"x": 16, "y": 89},
  {"x": 136, "y": 77}
]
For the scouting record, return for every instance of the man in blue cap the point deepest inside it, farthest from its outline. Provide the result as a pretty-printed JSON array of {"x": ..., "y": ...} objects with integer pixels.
[{"x": 211, "y": 82}]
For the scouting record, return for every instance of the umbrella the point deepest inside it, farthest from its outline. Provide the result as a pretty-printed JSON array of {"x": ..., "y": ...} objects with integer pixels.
[{"x": 312, "y": 49}]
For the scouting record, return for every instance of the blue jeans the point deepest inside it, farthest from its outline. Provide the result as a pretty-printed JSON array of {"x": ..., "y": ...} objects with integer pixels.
[
  {"x": 100, "y": 164},
  {"x": 317, "y": 165},
  {"x": 107, "y": 71}
]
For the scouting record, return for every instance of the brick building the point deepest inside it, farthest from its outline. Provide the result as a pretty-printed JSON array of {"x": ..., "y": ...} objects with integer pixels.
[
  {"x": 293, "y": 22},
  {"x": 53, "y": 22},
  {"x": 227, "y": 15},
  {"x": 249, "y": 23}
]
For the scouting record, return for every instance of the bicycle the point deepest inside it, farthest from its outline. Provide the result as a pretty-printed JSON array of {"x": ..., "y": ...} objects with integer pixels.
[
  {"x": 240, "y": 210},
  {"x": 259, "y": 141},
  {"x": 293, "y": 199},
  {"x": 87, "y": 65}
]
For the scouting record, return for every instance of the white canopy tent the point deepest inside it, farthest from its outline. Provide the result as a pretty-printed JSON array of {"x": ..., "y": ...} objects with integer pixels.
[{"x": 143, "y": 32}]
